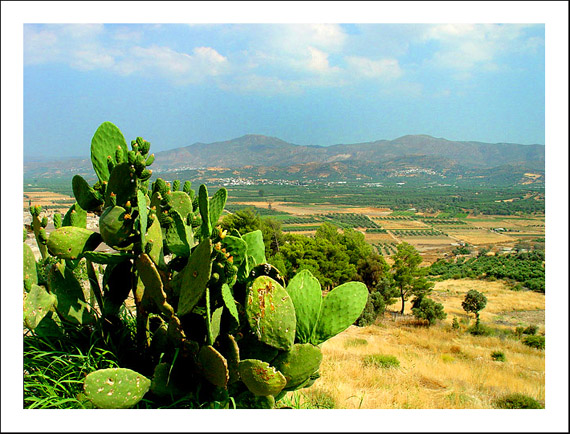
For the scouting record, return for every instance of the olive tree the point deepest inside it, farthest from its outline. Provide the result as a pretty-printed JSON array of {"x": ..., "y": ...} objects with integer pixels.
[{"x": 474, "y": 302}]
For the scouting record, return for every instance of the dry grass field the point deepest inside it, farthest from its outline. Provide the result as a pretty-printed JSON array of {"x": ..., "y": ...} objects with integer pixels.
[{"x": 439, "y": 368}]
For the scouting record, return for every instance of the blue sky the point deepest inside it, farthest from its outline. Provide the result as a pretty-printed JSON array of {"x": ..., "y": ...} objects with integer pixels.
[{"x": 309, "y": 84}]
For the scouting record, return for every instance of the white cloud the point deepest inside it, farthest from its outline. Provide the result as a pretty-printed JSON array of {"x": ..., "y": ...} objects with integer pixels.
[
  {"x": 384, "y": 68},
  {"x": 465, "y": 48}
]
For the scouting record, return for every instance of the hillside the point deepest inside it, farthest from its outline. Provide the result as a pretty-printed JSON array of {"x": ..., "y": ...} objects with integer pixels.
[{"x": 413, "y": 156}]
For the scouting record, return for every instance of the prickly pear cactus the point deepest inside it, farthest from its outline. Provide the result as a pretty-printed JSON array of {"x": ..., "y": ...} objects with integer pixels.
[
  {"x": 115, "y": 388},
  {"x": 260, "y": 378},
  {"x": 305, "y": 291}
]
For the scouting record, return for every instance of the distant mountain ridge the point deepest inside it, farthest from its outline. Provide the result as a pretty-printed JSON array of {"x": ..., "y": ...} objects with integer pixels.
[{"x": 259, "y": 151}]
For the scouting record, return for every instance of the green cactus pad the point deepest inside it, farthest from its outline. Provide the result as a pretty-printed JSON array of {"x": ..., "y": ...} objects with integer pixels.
[
  {"x": 36, "y": 306},
  {"x": 143, "y": 216},
  {"x": 153, "y": 287},
  {"x": 204, "y": 204},
  {"x": 104, "y": 144},
  {"x": 270, "y": 313},
  {"x": 162, "y": 384},
  {"x": 154, "y": 237},
  {"x": 340, "y": 309},
  {"x": 75, "y": 216},
  {"x": 106, "y": 258},
  {"x": 70, "y": 301},
  {"x": 228, "y": 347},
  {"x": 30, "y": 268},
  {"x": 213, "y": 366},
  {"x": 229, "y": 302},
  {"x": 115, "y": 226},
  {"x": 86, "y": 196},
  {"x": 215, "y": 323},
  {"x": 69, "y": 242},
  {"x": 255, "y": 248},
  {"x": 298, "y": 364},
  {"x": 194, "y": 277},
  {"x": 217, "y": 204},
  {"x": 115, "y": 388},
  {"x": 305, "y": 291},
  {"x": 260, "y": 378},
  {"x": 237, "y": 248},
  {"x": 181, "y": 203},
  {"x": 122, "y": 184},
  {"x": 179, "y": 237}
]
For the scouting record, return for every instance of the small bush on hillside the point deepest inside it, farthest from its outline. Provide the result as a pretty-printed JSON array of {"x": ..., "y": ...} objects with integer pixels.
[
  {"x": 480, "y": 330},
  {"x": 519, "y": 331},
  {"x": 530, "y": 330},
  {"x": 455, "y": 324},
  {"x": 498, "y": 356},
  {"x": 537, "y": 342},
  {"x": 516, "y": 401},
  {"x": 320, "y": 399},
  {"x": 425, "y": 308},
  {"x": 375, "y": 306},
  {"x": 381, "y": 361}
]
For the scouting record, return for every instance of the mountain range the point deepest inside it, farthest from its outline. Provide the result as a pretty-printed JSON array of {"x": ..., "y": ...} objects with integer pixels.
[{"x": 257, "y": 155}]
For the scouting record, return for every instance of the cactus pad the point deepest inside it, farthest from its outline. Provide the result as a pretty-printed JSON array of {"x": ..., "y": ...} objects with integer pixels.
[
  {"x": 193, "y": 278},
  {"x": 270, "y": 313},
  {"x": 341, "y": 307},
  {"x": 216, "y": 204},
  {"x": 106, "y": 140},
  {"x": 115, "y": 388},
  {"x": 36, "y": 306},
  {"x": 213, "y": 366},
  {"x": 260, "y": 378},
  {"x": 70, "y": 303},
  {"x": 298, "y": 364},
  {"x": 255, "y": 248},
  {"x": 69, "y": 242},
  {"x": 106, "y": 258},
  {"x": 179, "y": 237},
  {"x": 75, "y": 216},
  {"x": 153, "y": 287},
  {"x": 115, "y": 226},
  {"x": 30, "y": 270},
  {"x": 85, "y": 195},
  {"x": 182, "y": 203},
  {"x": 305, "y": 291},
  {"x": 122, "y": 184}
]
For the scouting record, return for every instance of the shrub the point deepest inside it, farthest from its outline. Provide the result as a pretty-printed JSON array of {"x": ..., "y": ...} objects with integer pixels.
[
  {"x": 498, "y": 356},
  {"x": 519, "y": 331},
  {"x": 480, "y": 330},
  {"x": 455, "y": 324},
  {"x": 381, "y": 361},
  {"x": 537, "y": 342},
  {"x": 473, "y": 303},
  {"x": 516, "y": 401},
  {"x": 530, "y": 330},
  {"x": 425, "y": 308}
]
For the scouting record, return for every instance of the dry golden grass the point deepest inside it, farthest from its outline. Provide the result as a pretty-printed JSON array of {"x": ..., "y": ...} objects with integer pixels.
[
  {"x": 479, "y": 236},
  {"x": 440, "y": 368}
]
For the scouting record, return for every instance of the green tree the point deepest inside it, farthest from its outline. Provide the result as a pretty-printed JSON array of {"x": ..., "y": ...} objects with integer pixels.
[
  {"x": 244, "y": 220},
  {"x": 409, "y": 277},
  {"x": 426, "y": 308},
  {"x": 474, "y": 302}
]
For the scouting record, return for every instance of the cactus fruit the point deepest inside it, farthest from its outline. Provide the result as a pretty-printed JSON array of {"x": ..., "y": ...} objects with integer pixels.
[
  {"x": 70, "y": 242},
  {"x": 270, "y": 313},
  {"x": 341, "y": 307},
  {"x": 260, "y": 378},
  {"x": 193, "y": 278},
  {"x": 305, "y": 291},
  {"x": 106, "y": 140},
  {"x": 115, "y": 388},
  {"x": 298, "y": 364},
  {"x": 37, "y": 304}
]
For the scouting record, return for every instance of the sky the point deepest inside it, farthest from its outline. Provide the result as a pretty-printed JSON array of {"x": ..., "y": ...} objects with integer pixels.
[{"x": 308, "y": 84}]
